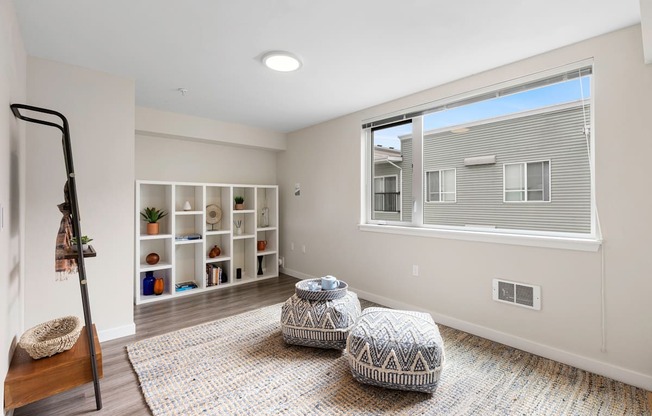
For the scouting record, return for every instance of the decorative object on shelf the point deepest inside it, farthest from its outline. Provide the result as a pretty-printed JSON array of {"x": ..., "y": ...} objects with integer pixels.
[
  {"x": 213, "y": 215},
  {"x": 51, "y": 337},
  {"x": 238, "y": 273},
  {"x": 152, "y": 216},
  {"x": 215, "y": 275},
  {"x": 264, "y": 216},
  {"x": 85, "y": 240},
  {"x": 260, "y": 265},
  {"x": 237, "y": 224},
  {"x": 188, "y": 237},
  {"x": 261, "y": 245},
  {"x": 187, "y": 206},
  {"x": 215, "y": 251},
  {"x": 159, "y": 286},
  {"x": 148, "y": 284},
  {"x": 152, "y": 259},
  {"x": 180, "y": 287},
  {"x": 239, "y": 202}
]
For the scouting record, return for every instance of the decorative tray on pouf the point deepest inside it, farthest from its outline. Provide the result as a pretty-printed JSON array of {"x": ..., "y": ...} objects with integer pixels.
[{"x": 304, "y": 291}]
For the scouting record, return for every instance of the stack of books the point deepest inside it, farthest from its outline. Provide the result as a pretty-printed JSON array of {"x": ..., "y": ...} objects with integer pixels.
[
  {"x": 188, "y": 237},
  {"x": 215, "y": 275},
  {"x": 180, "y": 287}
]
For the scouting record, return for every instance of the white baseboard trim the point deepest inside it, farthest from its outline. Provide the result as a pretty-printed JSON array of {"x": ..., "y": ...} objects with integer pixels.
[
  {"x": 625, "y": 375},
  {"x": 115, "y": 333}
]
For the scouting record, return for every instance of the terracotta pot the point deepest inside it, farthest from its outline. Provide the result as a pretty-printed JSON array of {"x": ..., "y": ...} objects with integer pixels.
[
  {"x": 239, "y": 206},
  {"x": 159, "y": 286},
  {"x": 152, "y": 228},
  {"x": 152, "y": 258},
  {"x": 262, "y": 244},
  {"x": 215, "y": 251}
]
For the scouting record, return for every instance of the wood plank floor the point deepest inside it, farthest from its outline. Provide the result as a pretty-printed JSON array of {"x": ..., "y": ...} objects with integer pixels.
[{"x": 120, "y": 392}]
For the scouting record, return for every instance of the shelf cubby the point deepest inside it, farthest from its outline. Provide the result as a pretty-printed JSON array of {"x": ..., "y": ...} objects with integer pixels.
[
  {"x": 155, "y": 196},
  {"x": 194, "y": 194}
]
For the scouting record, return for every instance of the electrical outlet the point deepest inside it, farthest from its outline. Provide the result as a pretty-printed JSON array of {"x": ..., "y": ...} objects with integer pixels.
[
  {"x": 292, "y": 246},
  {"x": 281, "y": 261},
  {"x": 415, "y": 270},
  {"x": 303, "y": 249}
]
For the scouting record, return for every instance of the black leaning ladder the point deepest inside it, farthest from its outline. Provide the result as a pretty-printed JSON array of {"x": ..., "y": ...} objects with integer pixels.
[{"x": 76, "y": 227}]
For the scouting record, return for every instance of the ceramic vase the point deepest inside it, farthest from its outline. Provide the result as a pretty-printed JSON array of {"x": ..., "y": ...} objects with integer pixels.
[{"x": 148, "y": 284}]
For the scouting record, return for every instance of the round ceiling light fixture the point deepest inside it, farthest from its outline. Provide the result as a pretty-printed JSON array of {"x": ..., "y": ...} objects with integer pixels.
[{"x": 281, "y": 61}]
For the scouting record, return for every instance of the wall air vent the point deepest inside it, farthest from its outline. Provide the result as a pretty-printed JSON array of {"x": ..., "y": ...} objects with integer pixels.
[{"x": 519, "y": 294}]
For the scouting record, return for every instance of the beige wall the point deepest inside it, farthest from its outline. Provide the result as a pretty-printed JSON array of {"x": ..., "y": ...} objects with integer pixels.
[
  {"x": 160, "y": 123},
  {"x": 455, "y": 276},
  {"x": 100, "y": 110},
  {"x": 179, "y": 148},
  {"x": 178, "y": 160},
  {"x": 12, "y": 142}
]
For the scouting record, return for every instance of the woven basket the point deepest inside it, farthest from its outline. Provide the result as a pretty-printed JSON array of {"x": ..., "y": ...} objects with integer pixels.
[
  {"x": 51, "y": 337},
  {"x": 302, "y": 290}
]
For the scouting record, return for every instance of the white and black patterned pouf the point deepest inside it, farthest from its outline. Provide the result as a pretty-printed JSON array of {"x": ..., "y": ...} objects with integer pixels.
[
  {"x": 319, "y": 319},
  {"x": 396, "y": 349}
]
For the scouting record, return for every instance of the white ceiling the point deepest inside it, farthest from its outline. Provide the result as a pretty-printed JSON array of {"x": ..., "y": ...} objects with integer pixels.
[{"x": 356, "y": 53}]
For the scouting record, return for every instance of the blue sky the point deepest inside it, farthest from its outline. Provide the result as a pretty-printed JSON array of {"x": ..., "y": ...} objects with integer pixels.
[{"x": 562, "y": 92}]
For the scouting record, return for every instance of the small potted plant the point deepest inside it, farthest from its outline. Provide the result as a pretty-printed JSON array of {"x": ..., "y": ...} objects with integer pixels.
[
  {"x": 152, "y": 216},
  {"x": 239, "y": 202},
  {"x": 84, "y": 240}
]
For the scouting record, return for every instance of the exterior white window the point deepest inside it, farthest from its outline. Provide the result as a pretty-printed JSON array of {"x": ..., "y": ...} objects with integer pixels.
[
  {"x": 527, "y": 182},
  {"x": 440, "y": 185},
  {"x": 499, "y": 145},
  {"x": 386, "y": 194}
]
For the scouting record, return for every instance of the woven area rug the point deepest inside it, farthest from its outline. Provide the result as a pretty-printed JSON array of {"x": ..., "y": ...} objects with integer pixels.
[{"x": 241, "y": 366}]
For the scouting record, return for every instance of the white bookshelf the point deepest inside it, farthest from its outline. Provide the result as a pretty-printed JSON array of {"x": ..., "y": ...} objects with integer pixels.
[{"x": 187, "y": 259}]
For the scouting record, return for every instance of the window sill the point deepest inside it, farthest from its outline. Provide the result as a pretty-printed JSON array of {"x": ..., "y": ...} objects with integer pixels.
[{"x": 564, "y": 243}]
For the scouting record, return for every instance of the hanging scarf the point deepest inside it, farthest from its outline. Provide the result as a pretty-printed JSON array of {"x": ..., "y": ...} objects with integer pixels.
[{"x": 64, "y": 267}]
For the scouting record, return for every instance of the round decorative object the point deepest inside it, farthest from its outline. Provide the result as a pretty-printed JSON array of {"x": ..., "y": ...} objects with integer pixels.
[
  {"x": 213, "y": 214},
  {"x": 51, "y": 337},
  {"x": 215, "y": 251},
  {"x": 302, "y": 289},
  {"x": 159, "y": 286},
  {"x": 152, "y": 258}
]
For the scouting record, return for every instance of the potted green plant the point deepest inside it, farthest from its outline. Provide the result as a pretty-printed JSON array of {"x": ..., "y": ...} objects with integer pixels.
[
  {"x": 239, "y": 202},
  {"x": 84, "y": 240},
  {"x": 152, "y": 216}
]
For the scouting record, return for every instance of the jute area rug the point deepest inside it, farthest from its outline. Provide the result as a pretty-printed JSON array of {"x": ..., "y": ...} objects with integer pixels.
[{"x": 241, "y": 366}]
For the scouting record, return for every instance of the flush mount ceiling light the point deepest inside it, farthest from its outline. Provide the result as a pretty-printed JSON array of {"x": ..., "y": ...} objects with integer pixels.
[{"x": 281, "y": 61}]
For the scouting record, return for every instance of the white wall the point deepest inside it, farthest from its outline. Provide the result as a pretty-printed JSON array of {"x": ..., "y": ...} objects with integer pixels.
[
  {"x": 100, "y": 110},
  {"x": 12, "y": 139},
  {"x": 455, "y": 276},
  {"x": 169, "y": 150}
]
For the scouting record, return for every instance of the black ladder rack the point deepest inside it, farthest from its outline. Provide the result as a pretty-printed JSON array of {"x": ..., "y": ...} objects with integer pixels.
[{"x": 76, "y": 227}]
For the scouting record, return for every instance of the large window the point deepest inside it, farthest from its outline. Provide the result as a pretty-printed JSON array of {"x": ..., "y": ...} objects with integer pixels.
[{"x": 510, "y": 159}]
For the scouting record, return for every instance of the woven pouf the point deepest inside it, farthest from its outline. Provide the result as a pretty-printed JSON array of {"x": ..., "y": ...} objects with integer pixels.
[
  {"x": 396, "y": 349},
  {"x": 319, "y": 319}
]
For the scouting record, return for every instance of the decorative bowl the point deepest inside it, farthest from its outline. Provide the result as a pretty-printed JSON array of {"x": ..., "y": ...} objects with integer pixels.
[{"x": 303, "y": 289}]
